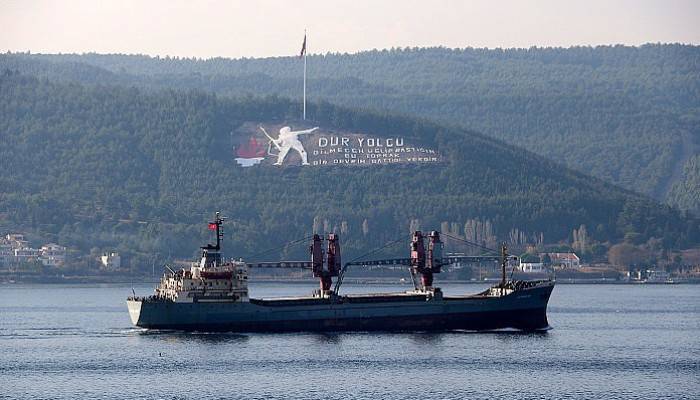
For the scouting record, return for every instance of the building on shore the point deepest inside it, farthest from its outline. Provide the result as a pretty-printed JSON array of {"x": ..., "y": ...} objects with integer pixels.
[
  {"x": 564, "y": 260},
  {"x": 15, "y": 250},
  {"x": 111, "y": 261},
  {"x": 52, "y": 255},
  {"x": 532, "y": 267},
  {"x": 531, "y": 263},
  {"x": 25, "y": 255}
]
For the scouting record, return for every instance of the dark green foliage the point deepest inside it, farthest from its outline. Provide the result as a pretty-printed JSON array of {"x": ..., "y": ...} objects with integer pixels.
[
  {"x": 685, "y": 193},
  {"x": 114, "y": 167},
  {"x": 627, "y": 115}
]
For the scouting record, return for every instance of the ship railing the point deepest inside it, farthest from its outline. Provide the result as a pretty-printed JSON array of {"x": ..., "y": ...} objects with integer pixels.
[
  {"x": 148, "y": 298},
  {"x": 520, "y": 285}
]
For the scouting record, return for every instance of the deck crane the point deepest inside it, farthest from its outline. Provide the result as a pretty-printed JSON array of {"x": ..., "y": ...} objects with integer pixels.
[{"x": 424, "y": 262}]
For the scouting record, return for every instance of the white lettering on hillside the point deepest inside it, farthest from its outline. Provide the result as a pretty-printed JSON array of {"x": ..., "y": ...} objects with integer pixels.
[{"x": 343, "y": 141}]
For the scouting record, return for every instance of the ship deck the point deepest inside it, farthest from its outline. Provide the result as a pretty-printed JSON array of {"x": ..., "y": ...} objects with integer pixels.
[
  {"x": 358, "y": 298},
  {"x": 388, "y": 297}
]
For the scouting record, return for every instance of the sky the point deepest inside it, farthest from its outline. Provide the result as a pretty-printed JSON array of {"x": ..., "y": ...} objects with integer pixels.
[{"x": 263, "y": 28}]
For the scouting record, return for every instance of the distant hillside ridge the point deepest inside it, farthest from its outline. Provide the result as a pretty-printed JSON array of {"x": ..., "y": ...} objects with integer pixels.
[
  {"x": 625, "y": 114},
  {"x": 95, "y": 167}
]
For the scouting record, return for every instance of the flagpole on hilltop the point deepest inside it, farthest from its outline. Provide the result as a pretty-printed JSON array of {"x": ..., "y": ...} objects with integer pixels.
[{"x": 304, "y": 51}]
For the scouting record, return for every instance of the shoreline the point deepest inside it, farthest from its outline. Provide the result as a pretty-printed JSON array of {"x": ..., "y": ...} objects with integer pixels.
[{"x": 122, "y": 280}]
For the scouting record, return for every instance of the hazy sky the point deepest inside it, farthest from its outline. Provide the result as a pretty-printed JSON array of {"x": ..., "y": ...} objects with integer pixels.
[{"x": 254, "y": 28}]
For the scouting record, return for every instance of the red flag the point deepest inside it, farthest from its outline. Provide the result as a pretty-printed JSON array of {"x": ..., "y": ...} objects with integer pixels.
[
  {"x": 303, "y": 48},
  {"x": 212, "y": 226}
]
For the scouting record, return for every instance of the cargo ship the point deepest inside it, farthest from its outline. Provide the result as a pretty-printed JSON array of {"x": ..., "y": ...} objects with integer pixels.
[{"x": 212, "y": 295}]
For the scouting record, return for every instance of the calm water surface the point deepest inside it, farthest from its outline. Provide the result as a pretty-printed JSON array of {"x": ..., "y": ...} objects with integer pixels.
[{"x": 607, "y": 341}]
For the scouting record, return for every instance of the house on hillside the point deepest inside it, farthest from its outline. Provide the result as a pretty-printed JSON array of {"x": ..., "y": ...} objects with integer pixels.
[
  {"x": 111, "y": 261},
  {"x": 13, "y": 237},
  {"x": 52, "y": 255},
  {"x": 16, "y": 241},
  {"x": 15, "y": 250},
  {"x": 26, "y": 254},
  {"x": 564, "y": 260}
]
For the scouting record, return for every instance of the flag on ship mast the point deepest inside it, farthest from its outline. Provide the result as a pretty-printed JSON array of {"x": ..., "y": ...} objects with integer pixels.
[{"x": 303, "y": 54}]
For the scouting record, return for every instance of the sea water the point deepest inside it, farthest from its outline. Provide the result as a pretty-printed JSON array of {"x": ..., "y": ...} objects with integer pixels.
[{"x": 606, "y": 341}]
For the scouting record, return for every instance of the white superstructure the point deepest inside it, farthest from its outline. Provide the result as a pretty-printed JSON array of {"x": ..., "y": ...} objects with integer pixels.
[{"x": 210, "y": 280}]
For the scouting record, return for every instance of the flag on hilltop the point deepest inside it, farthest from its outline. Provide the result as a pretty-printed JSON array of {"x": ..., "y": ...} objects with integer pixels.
[
  {"x": 303, "y": 48},
  {"x": 212, "y": 226}
]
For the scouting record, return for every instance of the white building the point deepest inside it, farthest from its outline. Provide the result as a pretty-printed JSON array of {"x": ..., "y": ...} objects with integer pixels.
[
  {"x": 26, "y": 254},
  {"x": 15, "y": 249},
  {"x": 111, "y": 260},
  {"x": 532, "y": 267},
  {"x": 16, "y": 241},
  {"x": 52, "y": 255},
  {"x": 566, "y": 260},
  {"x": 658, "y": 276},
  {"x": 14, "y": 237}
]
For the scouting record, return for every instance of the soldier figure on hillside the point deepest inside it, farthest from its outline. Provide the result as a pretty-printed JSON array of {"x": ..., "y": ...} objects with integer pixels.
[{"x": 287, "y": 140}]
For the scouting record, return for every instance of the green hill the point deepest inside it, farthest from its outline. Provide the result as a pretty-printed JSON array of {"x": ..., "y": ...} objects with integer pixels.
[
  {"x": 113, "y": 167},
  {"x": 628, "y": 115}
]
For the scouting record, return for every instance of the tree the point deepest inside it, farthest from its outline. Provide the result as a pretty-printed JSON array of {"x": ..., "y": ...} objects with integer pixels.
[
  {"x": 581, "y": 240},
  {"x": 626, "y": 255},
  {"x": 140, "y": 170}
]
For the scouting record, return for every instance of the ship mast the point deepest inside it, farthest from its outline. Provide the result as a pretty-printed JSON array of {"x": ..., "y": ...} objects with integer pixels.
[
  {"x": 211, "y": 254},
  {"x": 504, "y": 261},
  {"x": 219, "y": 230}
]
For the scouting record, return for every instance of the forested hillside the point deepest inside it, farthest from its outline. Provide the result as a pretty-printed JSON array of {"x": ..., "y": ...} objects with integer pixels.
[
  {"x": 685, "y": 193},
  {"x": 111, "y": 167},
  {"x": 628, "y": 115}
]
